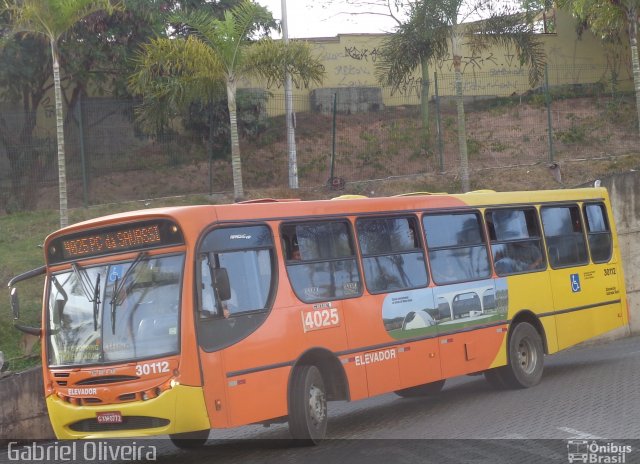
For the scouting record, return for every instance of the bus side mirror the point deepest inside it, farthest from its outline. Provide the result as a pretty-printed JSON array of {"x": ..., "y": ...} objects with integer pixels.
[
  {"x": 15, "y": 308},
  {"x": 15, "y": 303},
  {"x": 221, "y": 283}
]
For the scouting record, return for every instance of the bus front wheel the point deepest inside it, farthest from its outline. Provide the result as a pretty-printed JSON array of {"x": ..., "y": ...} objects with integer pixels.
[
  {"x": 190, "y": 440},
  {"x": 428, "y": 389},
  {"x": 307, "y": 405},
  {"x": 526, "y": 358}
]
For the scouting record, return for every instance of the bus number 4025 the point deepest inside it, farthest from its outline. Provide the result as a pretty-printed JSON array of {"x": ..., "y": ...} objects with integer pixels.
[{"x": 316, "y": 319}]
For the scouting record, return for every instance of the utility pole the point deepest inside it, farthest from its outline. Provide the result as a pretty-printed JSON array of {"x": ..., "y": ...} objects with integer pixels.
[{"x": 288, "y": 104}]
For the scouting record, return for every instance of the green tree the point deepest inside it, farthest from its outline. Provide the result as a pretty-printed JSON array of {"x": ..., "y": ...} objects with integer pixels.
[
  {"x": 608, "y": 18},
  {"x": 174, "y": 72},
  {"x": 52, "y": 19},
  {"x": 415, "y": 43},
  {"x": 496, "y": 23}
]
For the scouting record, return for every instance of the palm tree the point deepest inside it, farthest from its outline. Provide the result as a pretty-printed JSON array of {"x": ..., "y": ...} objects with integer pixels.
[
  {"x": 433, "y": 27},
  {"x": 178, "y": 71},
  {"x": 414, "y": 44},
  {"x": 502, "y": 27},
  {"x": 52, "y": 19}
]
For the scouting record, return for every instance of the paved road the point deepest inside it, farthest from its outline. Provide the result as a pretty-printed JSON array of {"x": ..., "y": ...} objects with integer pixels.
[{"x": 587, "y": 393}]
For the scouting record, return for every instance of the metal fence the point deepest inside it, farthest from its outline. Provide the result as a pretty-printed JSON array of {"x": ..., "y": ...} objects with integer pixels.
[{"x": 577, "y": 113}]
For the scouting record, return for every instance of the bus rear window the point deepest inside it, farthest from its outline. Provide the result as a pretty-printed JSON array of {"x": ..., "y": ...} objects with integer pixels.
[
  {"x": 599, "y": 232},
  {"x": 321, "y": 262}
]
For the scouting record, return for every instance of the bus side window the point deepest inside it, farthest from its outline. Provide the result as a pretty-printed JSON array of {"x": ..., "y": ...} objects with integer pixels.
[
  {"x": 599, "y": 232},
  {"x": 516, "y": 242},
  {"x": 565, "y": 237},
  {"x": 392, "y": 255},
  {"x": 323, "y": 266},
  {"x": 457, "y": 250}
]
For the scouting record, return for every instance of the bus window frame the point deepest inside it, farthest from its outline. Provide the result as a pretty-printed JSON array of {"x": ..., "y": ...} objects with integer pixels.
[
  {"x": 584, "y": 233},
  {"x": 483, "y": 231},
  {"x": 419, "y": 238},
  {"x": 541, "y": 238},
  {"x": 273, "y": 291},
  {"x": 352, "y": 242},
  {"x": 608, "y": 232}
]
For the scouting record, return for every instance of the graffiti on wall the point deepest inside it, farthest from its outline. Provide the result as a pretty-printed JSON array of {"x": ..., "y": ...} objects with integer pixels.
[
  {"x": 361, "y": 54},
  {"x": 351, "y": 62}
]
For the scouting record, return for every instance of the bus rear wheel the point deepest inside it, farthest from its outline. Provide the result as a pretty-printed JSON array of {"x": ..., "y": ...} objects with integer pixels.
[
  {"x": 307, "y": 406},
  {"x": 526, "y": 358},
  {"x": 428, "y": 389},
  {"x": 190, "y": 440}
]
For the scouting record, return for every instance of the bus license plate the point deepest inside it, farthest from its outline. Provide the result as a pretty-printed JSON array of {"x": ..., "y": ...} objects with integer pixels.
[{"x": 113, "y": 417}]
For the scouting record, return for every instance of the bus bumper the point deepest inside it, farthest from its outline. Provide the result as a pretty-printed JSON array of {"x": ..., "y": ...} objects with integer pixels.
[{"x": 181, "y": 409}]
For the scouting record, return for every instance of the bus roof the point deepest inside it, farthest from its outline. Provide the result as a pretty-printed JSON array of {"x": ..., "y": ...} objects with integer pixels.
[{"x": 285, "y": 209}]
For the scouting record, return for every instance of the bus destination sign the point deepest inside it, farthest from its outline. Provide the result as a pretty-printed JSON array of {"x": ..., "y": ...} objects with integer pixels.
[
  {"x": 111, "y": 241},
  {"x": 115, "y": 240}
]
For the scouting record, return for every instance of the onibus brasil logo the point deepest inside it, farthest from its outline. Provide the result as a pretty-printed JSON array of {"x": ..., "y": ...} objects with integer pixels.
[{"x": 592, "y": 452}]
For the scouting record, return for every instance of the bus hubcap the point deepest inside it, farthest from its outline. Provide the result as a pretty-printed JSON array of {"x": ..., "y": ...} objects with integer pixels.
[
  {"x": 527, "y": 356},
  {"x": 317, "y": 405}
]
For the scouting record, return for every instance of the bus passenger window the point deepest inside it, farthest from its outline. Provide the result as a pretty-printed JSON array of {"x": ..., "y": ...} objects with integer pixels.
[
  {"x": 598, "y": 232},
  {"x": 325, "y": 268},
  {"x": 564, "y": 234},
  {"x": 392, "y": 256},
  {"x": 457, "y": 250},
  {"x": 516, "y": 242}
]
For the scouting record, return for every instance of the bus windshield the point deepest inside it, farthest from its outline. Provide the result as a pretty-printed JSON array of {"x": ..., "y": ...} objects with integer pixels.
[{"x": 115, "y": 312}]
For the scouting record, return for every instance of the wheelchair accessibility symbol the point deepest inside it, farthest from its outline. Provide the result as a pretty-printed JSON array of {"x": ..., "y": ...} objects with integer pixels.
[
  {"x": 116, "y": 273},
  {"x": 575, "y": 283}
]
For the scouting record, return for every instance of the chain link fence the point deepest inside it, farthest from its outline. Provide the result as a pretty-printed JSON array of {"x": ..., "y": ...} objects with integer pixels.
[{"x": 352, "y": 134}]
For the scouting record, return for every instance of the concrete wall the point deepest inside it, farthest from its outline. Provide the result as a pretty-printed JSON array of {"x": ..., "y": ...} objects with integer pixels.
[
  {"x": 624, "y": 191},
  {"x": 23, "y": 413}
]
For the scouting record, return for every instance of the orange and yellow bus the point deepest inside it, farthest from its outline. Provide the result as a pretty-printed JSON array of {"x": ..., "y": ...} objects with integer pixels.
[{"x": 181, "y": 320}]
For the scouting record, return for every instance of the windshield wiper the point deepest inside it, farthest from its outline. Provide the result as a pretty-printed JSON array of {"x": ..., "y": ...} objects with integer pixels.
[
  {"x": 91, "y": 291},
  {"x": 96, "y": 303},
  {"x": 114, "y": 303},
  {"x": 85, "y": 281}
]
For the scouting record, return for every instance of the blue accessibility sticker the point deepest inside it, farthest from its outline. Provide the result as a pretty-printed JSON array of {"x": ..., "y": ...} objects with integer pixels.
[
  {"x": 575, "y": 283},
  {"x": 115, "y": 273}
]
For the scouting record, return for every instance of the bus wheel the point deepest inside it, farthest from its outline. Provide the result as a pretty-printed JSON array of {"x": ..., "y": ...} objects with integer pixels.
[
  {"x": 427, "y": 389},
  {"x": 494, "y": 378},
  {"x": 526, "y": 358},
  {"x": 307, "y": 405},
  {"x": 190, "y": 440}
]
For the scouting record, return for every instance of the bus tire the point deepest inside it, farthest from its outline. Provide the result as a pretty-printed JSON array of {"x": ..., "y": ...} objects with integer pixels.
[
  {"x": 307, "y": 406},
  {"x": 494, "y": 378},
  {"x": 526, "y": 358},
  {"x": 428, "y": 389},
  {"x": 190, "y": 440}
]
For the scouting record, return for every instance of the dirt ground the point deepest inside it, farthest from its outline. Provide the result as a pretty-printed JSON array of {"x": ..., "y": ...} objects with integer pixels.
[{"x": 508, "y": 148}]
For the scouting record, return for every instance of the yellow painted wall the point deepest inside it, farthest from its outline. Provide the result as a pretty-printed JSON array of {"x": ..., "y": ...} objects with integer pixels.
[{"x": 350, "y": 59}]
